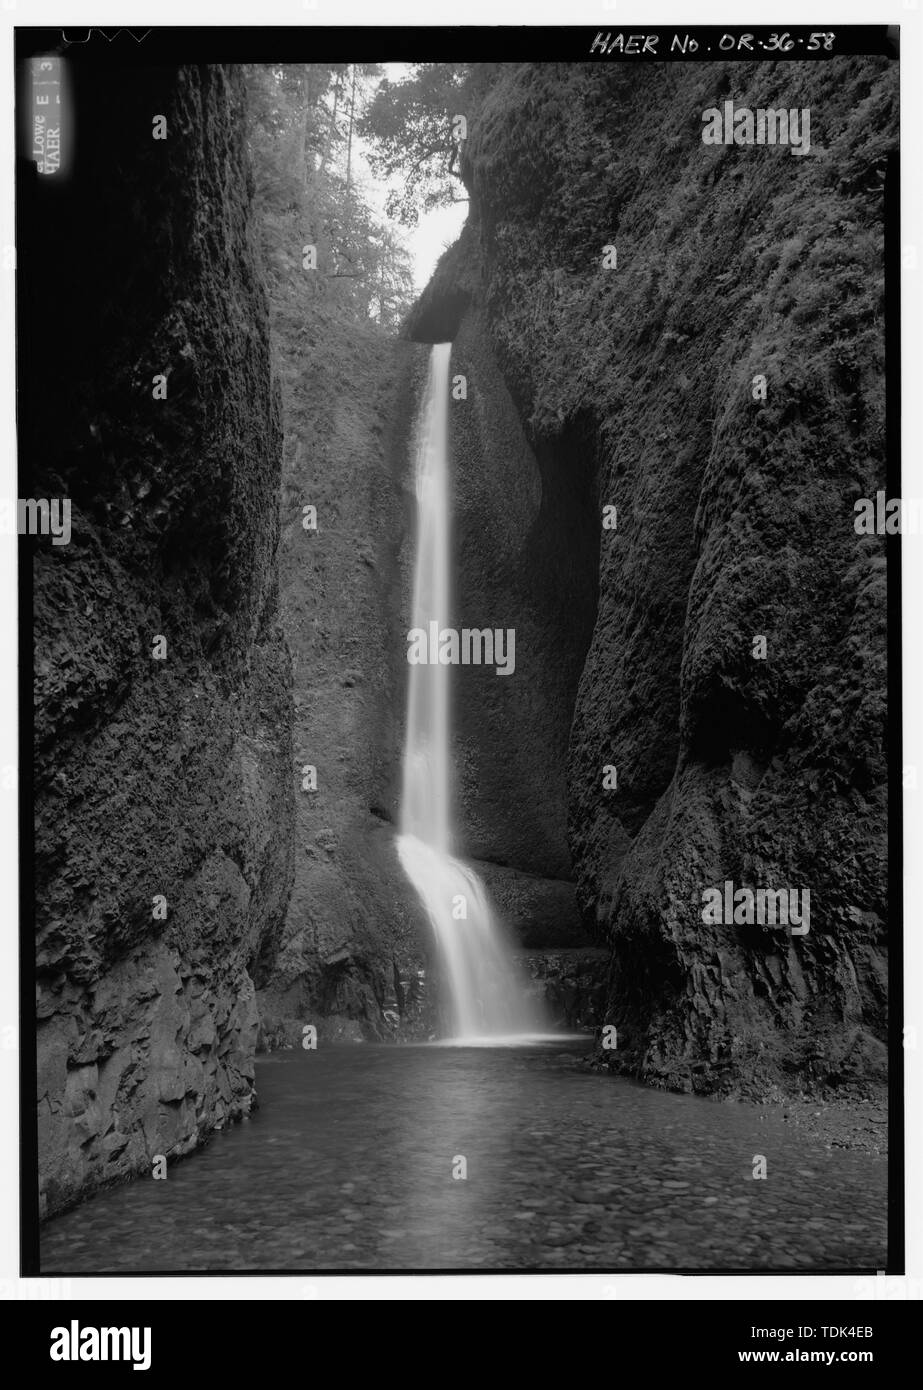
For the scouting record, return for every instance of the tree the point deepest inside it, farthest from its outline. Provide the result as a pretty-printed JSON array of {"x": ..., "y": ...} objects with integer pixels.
[
  {"x": 412, "y": 126},
  {"x": 307, "y": 193}
]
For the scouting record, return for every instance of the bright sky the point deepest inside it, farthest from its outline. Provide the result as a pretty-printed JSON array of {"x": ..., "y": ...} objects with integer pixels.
[
  {"x": 427, "y": 241},
  {"x": 435, "y": 231}
]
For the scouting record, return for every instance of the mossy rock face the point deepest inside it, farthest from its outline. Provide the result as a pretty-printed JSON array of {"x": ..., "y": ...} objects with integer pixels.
[
  {"x": 155, "y": 779},
  {"x": 640, "y": 388}
]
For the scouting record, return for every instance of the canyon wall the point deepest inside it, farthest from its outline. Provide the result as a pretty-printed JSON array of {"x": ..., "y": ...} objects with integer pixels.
[
  {"x": 205, "y": 880},
  {"x": 638, "y": 388},
  {"x": 353, "y": 953},
  {"x": 163, "y": 759}
]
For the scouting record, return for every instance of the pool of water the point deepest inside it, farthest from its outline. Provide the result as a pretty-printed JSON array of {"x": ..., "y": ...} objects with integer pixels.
[{"x": 350, "y": 1163}]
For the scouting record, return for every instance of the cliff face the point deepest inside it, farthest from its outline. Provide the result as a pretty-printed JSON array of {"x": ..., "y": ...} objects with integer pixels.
[
  {"x": 639, "y": 388},
  {"x": 163, "y": 786},
  {"x": 353, "y": 953},
  {"x": 525, "y": 552},
  {"x": 525, "y": 548}
]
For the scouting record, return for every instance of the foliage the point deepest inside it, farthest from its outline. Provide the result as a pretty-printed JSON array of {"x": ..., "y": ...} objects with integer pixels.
[
  {"x": 303, "y": 121},
  {"x": 414, "y": 133}
]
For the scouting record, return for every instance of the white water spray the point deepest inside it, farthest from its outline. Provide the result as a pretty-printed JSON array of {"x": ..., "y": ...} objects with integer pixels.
[{"x": 487, "y": 996}]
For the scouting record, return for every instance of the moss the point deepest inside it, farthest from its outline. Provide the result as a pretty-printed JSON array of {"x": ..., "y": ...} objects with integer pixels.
[
  {"x": 152, "y": 777},
  {"x": 735, "y": 519}
]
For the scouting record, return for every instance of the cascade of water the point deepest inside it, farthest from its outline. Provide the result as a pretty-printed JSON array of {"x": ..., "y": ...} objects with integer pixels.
[{"x": 486, "y": 994}]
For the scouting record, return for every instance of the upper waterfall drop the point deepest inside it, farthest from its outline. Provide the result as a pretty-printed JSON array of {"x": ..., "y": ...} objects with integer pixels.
[
  {"x": 425, "y": 798},
  {"x": 487, "y": 996}
]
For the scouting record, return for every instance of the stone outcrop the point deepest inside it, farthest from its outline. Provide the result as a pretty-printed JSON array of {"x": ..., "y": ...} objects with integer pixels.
[
  {"x": 353, "y": 953},
  {"x": 163, "y": 787},
  {"x": 635, "y": 387},
  {"x": 571, "y": 984}
]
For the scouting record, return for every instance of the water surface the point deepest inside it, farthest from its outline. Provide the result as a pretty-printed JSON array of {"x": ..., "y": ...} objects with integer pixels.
[{"x": 348, "y": 1163}]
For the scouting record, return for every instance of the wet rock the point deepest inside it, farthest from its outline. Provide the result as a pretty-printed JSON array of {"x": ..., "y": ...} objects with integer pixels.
[
  {"x": 633, "y": 390},
  {"x": 571, "y": 984},
  {"x": 143, "y": 766}
]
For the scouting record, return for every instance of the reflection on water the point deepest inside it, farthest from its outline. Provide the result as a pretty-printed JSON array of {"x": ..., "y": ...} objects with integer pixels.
[{"x": 348, "y": 1164}]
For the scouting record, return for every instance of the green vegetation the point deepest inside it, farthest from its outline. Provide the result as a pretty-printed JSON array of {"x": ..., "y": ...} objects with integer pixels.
[
  {"x": 303, "y": 129},
  {"x": 417, "y": 136}
]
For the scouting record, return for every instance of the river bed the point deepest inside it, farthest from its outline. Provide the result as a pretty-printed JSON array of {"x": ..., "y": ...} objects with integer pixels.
[{"x": 353, "y": 1161}]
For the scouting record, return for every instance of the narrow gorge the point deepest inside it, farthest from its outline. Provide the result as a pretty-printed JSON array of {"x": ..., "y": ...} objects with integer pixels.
[{"x": 221, "y": 664}]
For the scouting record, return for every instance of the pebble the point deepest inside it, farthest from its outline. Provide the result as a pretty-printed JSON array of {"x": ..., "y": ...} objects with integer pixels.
[{"x": 353, "y": 1170}]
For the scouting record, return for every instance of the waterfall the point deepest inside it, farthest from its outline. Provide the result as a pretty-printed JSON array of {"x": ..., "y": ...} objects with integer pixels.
[{"x": 486, "y": 993}]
